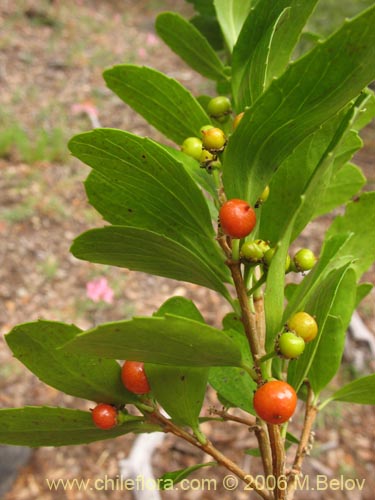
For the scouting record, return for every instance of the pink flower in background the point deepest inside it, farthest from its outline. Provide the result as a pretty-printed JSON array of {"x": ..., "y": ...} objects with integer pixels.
[
  {"x": 98, "y": 289},
  {"x": 151, "y": 39},
  {"x": 142, "y": 53}
]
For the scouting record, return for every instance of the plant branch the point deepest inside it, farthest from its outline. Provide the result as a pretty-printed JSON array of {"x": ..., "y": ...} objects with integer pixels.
[
  {"x": 304, "y": 444},
  {"x": 209, "y": 448},
  {"x": 233, "y": 418},
  {"x": 278, "y": 458}
]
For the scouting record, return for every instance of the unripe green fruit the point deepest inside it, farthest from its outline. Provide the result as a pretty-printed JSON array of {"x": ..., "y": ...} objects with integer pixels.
[
  {"x": 263, "y": 245},
  {"x": 289, "y": 345},
  {"x": 214, "y": 139},
  {"x": 251, "y": 251},
  {"x": 192, "y": 146},
  {"x": 304, "y": 325},
  {"x": 304, "y": 260},
  {"x": 206, "y": 156},
  {"x": 219, "y": 108}
]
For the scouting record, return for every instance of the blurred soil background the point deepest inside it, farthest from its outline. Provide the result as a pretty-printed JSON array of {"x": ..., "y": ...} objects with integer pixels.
[{"x": 52, "y": 54}]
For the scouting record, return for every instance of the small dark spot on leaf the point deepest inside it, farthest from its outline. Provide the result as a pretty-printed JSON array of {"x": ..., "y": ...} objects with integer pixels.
[
  {"x": 130, "y": 210},
  {"x": 182, "y": 378},
  {"x": 144, "y": 156}
]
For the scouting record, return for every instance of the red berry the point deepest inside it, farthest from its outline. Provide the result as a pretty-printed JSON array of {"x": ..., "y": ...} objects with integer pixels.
[
  {"x": 237, "y": 218},
  {"x": 104, "y": 416},
  {"x": 134, "y": 377},
  {"x": 275, "y": 402}
]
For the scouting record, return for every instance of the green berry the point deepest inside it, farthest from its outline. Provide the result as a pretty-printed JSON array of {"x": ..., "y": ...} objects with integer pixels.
[
  {"x": 304, "y": 260},
  {"x": 214, "y": 139},
  {"x": 251, "y": 251},
  {"x": 289, "y": 345},
  {"x": 263, "y": 245},
  {"x": 219, "y": 108},
  {"x": 304, "y": 325},
  {"x": 192, "y": 146},
  {"x": 206, "y": 156}
]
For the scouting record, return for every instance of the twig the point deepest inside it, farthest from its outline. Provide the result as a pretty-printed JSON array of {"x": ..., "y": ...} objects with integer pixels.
[
  {"x": 233, "y": 418},
  {"x": 303, "y": 446},
  {"x": 210, "y": 449},
  {"x": 278, "y": 458}
]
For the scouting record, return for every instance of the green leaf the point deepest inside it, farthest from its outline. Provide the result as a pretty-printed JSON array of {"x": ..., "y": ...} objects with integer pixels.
[
  {"x": 329, "y": 346},
  {"x": 36, "y": 346},
  {"x": 148, "y": 252},
  {"x": 170, "y": 478},
  {"x": 179, "y": 390},
  {"x": 268, "y": 37},
  {"x": 140, "y": 184},
  {"x": 345, "y": 184},
  {"x": 161, "y": 100},
  {"x": 359, "y": 391},
  {"x": 46, "y": 426},
  {"x": 234, "y": 384},
  {"x": 231, "y": 15},
  {"x": 363, "y": 289},
  {"x": 188, "y": 43},
  {"x": 311, "y": 91},
  {"x": 170, "y": 340},
  {"x": 321, "y": 305},
  {"x": 275, "y": 284},
  {"x": 359, "y": 218},
  {"x": 210, "y": 29}
]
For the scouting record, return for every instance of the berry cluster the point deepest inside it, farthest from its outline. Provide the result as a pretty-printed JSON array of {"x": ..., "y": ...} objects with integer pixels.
[{"x": 134, "y": 378}]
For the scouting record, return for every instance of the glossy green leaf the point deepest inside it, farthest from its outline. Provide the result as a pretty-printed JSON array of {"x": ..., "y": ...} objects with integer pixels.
[
  {"x": 170, "y": 340},
  {"x": 265, "y": 44},
  {"x": 140, "y": 184},
  {"x": 311, "y": 91},
  {"x": 179, "y": 390},
  {"x": 36, "y": 426},
  {"x": 275, "y": 284},
  {"x": 363, "y": 289},
  {"x": 210, "y": 29},
  {"x": 148, "y": 252},
  {"x": 162, "y": 101},
  {"x": 359, "y": 391},
  {"x": 321, "y": 154},
  {"x": 359, "y": 218},
  {"x": 36, "y": 346},
  {"x": 170, "y": 478},
  {"x": 329, "y": 346},
  {"x": 231, "y": 15},
  {"x": 232, "y": 384},
  {"x": 321, "y": 304},
  {"x": 188, "y": 43},
  {"x": 345, "y": 184}
]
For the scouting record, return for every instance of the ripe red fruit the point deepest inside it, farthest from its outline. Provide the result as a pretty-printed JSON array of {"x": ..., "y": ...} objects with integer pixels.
[
  {"x": 104, "y": 416},
  {"x": 134, "y": 377},
  {"x": 275, "y": 402},
  {"x": 237, "y": 218}
]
